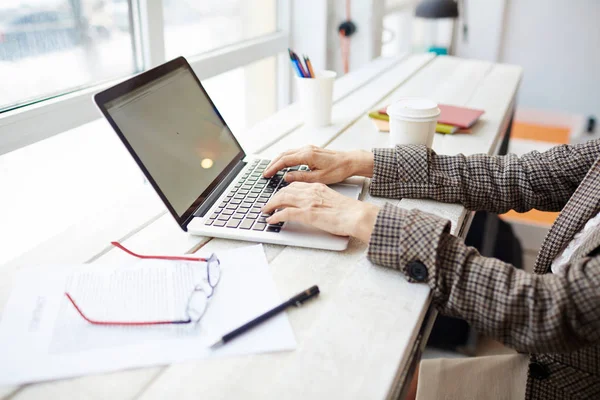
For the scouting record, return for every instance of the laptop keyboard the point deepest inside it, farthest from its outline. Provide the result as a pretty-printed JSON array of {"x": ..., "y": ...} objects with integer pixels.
[{"x": 241, "y": 208}]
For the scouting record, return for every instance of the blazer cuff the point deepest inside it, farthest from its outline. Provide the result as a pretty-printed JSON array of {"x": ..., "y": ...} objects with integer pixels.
[
  {"x": 402, "y": 171},
  {"x": 408, "y": 240}
]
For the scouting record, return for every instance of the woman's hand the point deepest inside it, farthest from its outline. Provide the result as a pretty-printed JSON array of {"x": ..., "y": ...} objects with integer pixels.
[
  {"x": 326, "y": 166},
  {"x": 317, "y": 205}
]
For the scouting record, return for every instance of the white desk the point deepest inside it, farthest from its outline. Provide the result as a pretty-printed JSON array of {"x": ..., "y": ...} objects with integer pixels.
[{"x": 353, "y": 341}]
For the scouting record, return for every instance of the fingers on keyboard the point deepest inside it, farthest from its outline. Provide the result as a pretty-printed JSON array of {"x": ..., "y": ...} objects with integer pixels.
[{"x": 241, "y": 208}]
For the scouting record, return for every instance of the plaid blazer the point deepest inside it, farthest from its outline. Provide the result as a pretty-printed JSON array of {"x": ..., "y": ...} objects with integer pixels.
[{"x": 553, "y": 317}]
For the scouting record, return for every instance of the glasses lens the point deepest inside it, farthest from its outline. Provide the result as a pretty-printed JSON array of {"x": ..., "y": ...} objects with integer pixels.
[
  {"x": 214, "y": 270},
  {"x": 197, "y": 304}
]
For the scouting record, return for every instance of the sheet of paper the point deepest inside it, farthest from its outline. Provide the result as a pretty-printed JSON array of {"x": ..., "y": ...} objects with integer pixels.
[{"x": 43, "y": 337}]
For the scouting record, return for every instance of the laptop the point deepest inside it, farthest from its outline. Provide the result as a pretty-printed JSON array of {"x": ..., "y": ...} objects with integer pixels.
[{"x": 180, "y": 141}]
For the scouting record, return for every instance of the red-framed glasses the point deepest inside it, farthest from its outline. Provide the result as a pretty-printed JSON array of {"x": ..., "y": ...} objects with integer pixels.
[{"x": 196, "y": 304}]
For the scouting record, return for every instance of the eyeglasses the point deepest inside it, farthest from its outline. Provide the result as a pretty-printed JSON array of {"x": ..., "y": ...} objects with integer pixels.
[{"x": 197, "y": 302}]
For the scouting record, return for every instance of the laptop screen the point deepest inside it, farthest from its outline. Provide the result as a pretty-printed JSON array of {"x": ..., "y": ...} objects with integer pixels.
[{"x": 177, "y": 134}]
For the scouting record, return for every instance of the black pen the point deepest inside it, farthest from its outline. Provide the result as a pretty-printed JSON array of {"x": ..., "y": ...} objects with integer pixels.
[{"x": 297, "y": 301}]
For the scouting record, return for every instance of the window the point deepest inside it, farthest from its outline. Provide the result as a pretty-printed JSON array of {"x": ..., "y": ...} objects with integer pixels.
[
  {"x": 80, "y": 181},
  {"x": 193, "y": 27},
  {"x": 56, "y": 46},
  {"x": 85, "y": 176}
]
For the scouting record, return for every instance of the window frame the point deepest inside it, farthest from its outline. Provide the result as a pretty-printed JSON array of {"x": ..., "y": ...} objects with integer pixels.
[{"x": 46, "y": 118}]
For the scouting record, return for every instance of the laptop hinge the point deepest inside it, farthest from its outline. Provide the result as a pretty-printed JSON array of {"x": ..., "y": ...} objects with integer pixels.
[{"x": 218, "y": 191}]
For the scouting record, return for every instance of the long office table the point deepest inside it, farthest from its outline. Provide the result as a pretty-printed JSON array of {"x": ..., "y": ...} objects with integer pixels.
[{"x": 354, "y": 341}]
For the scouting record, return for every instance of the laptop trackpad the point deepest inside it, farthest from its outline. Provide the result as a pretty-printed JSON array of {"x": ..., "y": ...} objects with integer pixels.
[{"x": 348, "y": 190}]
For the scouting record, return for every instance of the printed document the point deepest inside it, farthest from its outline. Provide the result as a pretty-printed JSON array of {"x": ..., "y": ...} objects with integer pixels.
[{"x": 43, "y": 337}]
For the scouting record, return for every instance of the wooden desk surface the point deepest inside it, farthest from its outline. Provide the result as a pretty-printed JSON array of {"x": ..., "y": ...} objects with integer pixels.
[{"x": 355, "y": 339}]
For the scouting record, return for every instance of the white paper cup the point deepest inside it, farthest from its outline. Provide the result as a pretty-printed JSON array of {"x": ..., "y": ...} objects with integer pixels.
[
  {"x": 315, "y": 95},
  {"x": 412, "y": 121}
]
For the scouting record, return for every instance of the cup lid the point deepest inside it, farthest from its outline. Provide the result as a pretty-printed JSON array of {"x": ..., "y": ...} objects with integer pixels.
[{"x": 414, "y": 107}]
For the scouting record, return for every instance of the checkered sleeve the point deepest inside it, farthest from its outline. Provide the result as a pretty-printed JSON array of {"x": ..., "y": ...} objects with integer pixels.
[
  {"x": 531, "y": 313},
  {"x": 544, "y": 181}
]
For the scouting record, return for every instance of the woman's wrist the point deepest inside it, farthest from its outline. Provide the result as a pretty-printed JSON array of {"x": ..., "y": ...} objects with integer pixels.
[
  {"x": 365, "y": 222},
  {"x": 360, "y": 163}
]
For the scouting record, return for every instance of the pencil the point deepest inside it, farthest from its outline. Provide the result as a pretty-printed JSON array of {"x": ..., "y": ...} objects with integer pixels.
[
  {"x": 309, "y": 66},
  {"x": 295, "y": 65},
  {"x": 307, "y": 69},
  {"x": 304, "y": 73}
]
